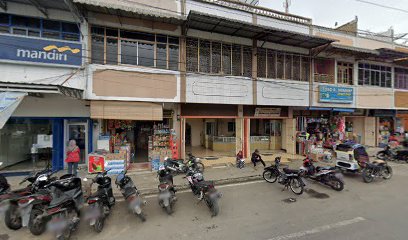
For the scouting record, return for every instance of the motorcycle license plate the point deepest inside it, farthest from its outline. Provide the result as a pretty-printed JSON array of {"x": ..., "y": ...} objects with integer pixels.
[
  {"x": 164, "y": 195},
  {"x": 57, "y": 225}
]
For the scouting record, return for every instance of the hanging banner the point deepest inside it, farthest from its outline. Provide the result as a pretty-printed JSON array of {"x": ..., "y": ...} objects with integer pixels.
[{"x": 9, "y": 101}]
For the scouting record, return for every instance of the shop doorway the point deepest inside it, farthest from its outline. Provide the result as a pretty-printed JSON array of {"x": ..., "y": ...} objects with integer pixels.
[
  {"x": 142, "y": 131},
  {"x": 266, "y": 135},
  {"x": 211, "y": 139},
  {"x": 77, "y": 131}
]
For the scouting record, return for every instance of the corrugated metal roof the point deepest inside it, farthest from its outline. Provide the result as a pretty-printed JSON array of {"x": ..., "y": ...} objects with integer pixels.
[
  {"x": 132, "y": 8},
  {"x": 340, "y": 47},
  {"x": 47, "y": 4},
  {"x": 212, "y": 23}
]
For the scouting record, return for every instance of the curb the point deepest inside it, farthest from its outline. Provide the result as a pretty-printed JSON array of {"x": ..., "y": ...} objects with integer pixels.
[{"x": 219, "y": 182}]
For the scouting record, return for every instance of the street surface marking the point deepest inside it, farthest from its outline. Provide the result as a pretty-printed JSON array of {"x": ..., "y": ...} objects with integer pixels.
[{"x": 319, "y": 229}]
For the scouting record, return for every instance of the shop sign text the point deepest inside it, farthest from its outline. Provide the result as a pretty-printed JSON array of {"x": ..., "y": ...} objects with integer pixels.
[
  {"x": 40, "y": 50},
  {"x": 334, "y": 94},
  {"x": 267, "y": 112}
]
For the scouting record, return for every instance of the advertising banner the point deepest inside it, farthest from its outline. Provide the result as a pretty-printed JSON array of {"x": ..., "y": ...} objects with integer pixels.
[
  {"x": 334, "y": 94},
  {"x": 36, "y": 50},
  {"x": 9, "y": 101}
]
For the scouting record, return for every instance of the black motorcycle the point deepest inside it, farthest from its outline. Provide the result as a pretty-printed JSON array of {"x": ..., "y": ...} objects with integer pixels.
[
  {"x": 4, "y": 186},
  {"x": 25, "y": 211},
  {"x": 63, "y": 212},
  {"x": 204, "y": 190},
  {"x": 131, "y": 195},
  {"x": 377, "y": 169},
  {"x": 167, "y": 193},
  {"x": 389, "y": 154},
  {"x": 179, "y": 166},
  {"x": 100, "y": 202},
  {"x": 327, "y": 175},
  {"x": 288, "y": 177}
]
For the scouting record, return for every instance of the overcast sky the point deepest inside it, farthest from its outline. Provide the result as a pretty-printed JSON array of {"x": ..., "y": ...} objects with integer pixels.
[{"x": 327, "y": 12}]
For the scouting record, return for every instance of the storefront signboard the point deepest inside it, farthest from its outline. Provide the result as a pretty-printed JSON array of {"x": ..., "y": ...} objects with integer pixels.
[
  {"x": 96, "y": 163},
  {"x": 334, "y": 94},
  {"x": 36, "y": 50},
  {"x": 267, "y": 112}
]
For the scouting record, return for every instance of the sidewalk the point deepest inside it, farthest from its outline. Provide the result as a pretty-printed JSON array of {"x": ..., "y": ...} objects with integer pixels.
[{"x": 223, "y": 172}]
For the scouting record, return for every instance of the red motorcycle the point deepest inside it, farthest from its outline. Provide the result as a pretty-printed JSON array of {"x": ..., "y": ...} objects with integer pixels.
[{"x": 326, "y": 175}]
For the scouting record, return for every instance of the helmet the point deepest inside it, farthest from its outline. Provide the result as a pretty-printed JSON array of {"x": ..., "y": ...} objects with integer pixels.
[{"x": 198, "y": 177}]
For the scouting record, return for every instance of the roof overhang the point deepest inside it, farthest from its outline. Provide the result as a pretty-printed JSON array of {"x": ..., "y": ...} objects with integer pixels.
[
  {"x": 216, "y": 24},
  {"x": 40, "y": 89},
  {"x": 398, "y": 57},
  {"x": 131, "y": 10},
  {"x": 357, "y": 52}
]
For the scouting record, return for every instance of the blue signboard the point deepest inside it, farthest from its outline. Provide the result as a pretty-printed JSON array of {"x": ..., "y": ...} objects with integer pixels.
[
  {"x": 40, "y": 50},
  {"x": 334, "y": 94}
]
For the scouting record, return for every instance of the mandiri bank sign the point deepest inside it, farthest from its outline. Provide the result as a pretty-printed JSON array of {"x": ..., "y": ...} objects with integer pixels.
[{"x": 36, "y": 50}]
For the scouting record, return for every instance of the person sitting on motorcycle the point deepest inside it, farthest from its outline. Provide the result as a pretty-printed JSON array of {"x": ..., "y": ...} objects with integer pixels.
[
  {"x": 257, "y": 158},
  {"x": 240, "y": 159}
]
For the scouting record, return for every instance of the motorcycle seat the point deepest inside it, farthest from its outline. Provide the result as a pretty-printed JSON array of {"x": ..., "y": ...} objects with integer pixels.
[
  {"x": 378, "y": 161},
  {"x": 290, "y": 171}
]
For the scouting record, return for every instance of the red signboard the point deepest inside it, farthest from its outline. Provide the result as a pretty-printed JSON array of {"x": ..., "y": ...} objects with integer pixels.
[{"x": 96, "y": 163}]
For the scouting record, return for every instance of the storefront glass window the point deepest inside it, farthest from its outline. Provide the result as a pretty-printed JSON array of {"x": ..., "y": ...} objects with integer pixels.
[
  {"x": 205, "y": 56},
  {"x": 17, "y": 138},
  {"x": 324, "y": 70}
]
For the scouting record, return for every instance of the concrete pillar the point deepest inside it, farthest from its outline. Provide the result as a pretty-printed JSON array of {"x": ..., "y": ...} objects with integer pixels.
[
  {"x": 290, "y": 135},
  {"x": 254, "y": 70}
]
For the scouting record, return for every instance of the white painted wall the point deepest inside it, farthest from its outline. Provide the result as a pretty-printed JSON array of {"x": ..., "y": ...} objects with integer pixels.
[
  {"x": 196, "y": 130},
  {"x": 282, "y": 92},
  {"x": 52, "y": 105},
  {"x": 36, "y": 74},
  {"x": 203, "y": 88}
]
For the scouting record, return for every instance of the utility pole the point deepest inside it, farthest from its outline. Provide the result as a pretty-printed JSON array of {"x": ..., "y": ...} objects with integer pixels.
[{"x": 286, "y": 5}]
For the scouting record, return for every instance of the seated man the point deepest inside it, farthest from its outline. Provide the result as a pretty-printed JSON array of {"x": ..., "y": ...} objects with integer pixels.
[{"x": 257, "y": 158}]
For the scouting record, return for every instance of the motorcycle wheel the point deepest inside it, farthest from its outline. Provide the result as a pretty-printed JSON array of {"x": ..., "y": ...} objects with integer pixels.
[
  {"x": 270, "y": 176},
  {"x": 336, "y": 184},
  {"x": 37, "y": 226},
  {"x": 169, "y": 209},
  {"x": 215, "y": 209},
  {"x": 296, "y": 186},
  {"x": 200, "y": 167},
  {"x": 12, "y": 219},
  {"x": 367, "y": 176},
  {"x": 99, "y": 224},
  {"x": 381, "y": 156},
  {"x": 387, "y": 172},
  {"x": 142, "y": 217}
]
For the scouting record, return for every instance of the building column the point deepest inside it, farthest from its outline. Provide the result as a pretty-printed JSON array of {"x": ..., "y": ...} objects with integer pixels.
[
  {"x": 254, "y": 71},
  {"x": 370, "y": 136},
  {"x": 239, "y": 130},
  {"x": 247, "y": 138},
  {"x": 290, "y": 135}
]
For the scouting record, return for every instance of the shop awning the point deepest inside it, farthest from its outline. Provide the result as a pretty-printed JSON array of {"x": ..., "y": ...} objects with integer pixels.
[
  {"x": 349, "y": 110},
  {"x": 216, "y": 24},
  {"x": 126, "y": 110},
  {"x": 9, "y": 102}
]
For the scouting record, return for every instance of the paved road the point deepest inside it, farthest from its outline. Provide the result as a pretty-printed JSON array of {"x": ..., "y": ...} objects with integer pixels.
[{"x": 256, "y": 210}]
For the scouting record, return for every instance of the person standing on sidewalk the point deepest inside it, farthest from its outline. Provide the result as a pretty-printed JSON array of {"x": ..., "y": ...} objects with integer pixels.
[
  {"x": 257, "y": 158},
  {"x": 72, "y": 157}
]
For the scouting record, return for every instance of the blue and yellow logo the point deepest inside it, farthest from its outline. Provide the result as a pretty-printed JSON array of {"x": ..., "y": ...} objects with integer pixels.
[{"x": 61, "y": 49}]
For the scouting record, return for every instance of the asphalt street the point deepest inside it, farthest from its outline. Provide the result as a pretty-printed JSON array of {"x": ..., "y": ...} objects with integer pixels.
[{"x": 260, "y": 210}]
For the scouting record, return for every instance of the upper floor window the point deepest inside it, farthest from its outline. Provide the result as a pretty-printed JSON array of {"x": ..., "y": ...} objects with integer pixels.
[
  {"x": 116, "y": 46},
  {"x": 345, "y": 73},
  {"x": 374, "y": 75},
  {"x": 401, "y": 78},
  {"x": 282, "y": 65},
  {"x": 219, "y": 58},
  {"x": 324, "y": 70},
  {"x": 36, "y": 27}
]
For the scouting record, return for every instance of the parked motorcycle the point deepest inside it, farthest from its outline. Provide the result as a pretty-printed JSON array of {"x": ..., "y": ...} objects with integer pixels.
[
  {"x": 4, "y": 186},
  {"x": 63, "y": 212},
  {"x": 378, "y": 168},
  {"x": 167, "y": 193},
  {"x": 326, "y": 175},
  {"x": 26, "y": 210},
  {"x": 204, "y": 190},
  {"x": 100, "y": 202},
  {"x": 393, "y": 154},
  {"x": 131, "y": 194},
  {"x": 288, "y": 177},
  {"x": 178, "y": 166}
]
